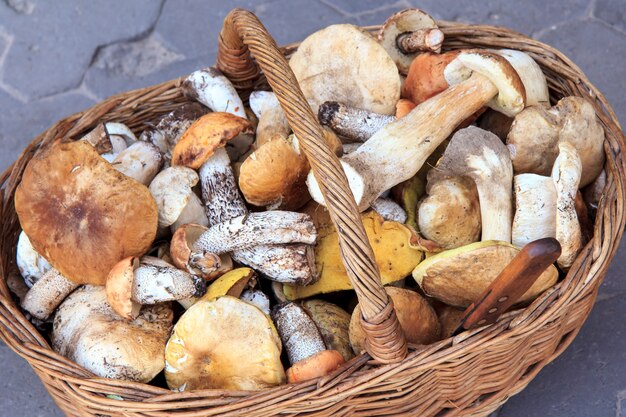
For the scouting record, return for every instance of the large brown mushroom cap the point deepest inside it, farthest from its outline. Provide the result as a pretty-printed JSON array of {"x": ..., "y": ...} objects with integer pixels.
[
  {"x": 81, "y": 214},
  {"x": 346, "y": 64},
  {"x": 207, "y": 134}
]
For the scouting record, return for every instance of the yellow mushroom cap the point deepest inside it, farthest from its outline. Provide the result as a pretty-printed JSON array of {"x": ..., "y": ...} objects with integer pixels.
[{"x": 224, "y": 343}]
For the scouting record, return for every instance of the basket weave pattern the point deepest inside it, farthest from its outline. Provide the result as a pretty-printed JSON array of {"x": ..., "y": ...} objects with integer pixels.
[{"x": 471, "y": 374}]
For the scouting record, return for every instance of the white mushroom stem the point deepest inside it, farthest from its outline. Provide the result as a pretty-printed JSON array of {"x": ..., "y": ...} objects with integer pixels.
[
  {"x": 286, "y": 263},
  {"x": 389, "y": 210},
  {"x": 254, "y": 229},
  {"x": 429, "y": 40},
  {"x": 272, "y": 120},
  {"x": 351, "y": 122},
  {"x": 109, "y": 139},
  {"x": 141, "y": 161},
  {"x": 298, "y": 331},
  {"x": 535, "y": 205},
  {"x": 211, "y": 88},
  {"x": 47, "y": 293},
  {"x": 30, "y": 263},
  {"x": 377, "y": 166},
  {"x": 257, "y": 298},
  {"x": 193, "y": 213},
  {"x": 566, "y": 175},
  {"x": 154, "y": 284},
  {"x": 532, "y": 77}
]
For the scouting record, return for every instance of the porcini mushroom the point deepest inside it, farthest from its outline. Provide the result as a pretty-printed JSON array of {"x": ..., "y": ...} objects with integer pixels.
[
  {"x": 417, "y": 318},
  {"x": 87, "y": 331},
  {"x": 535, "y": 209},
  {"x": 407, "y": 33},
  {"x": 450, "y": 214},
  {"x": 211, "y": 88},
  {"x": 47, "y": 293},
  {"x": 30, "y": 263},
  {"x": 530, "y": 73},
  {"x": 224, "y": 343},
  {"x": 288, "y": 263},
  {"x": 133, "y": 283},
  {"x": 346, "y": 64},
  {"x": 537, "y": 131},
  {"x": 459, "y": 276},
  {"x": 176, "y": 200},
  {"x": 73, "y": 204},
  {"x": 566, "y": 175},
  {"x": 272, "y": 120},
  {"x": 307, "y": 352},
  {"x": 141, "y": 161},
  {"x": 477, "y": 77}
]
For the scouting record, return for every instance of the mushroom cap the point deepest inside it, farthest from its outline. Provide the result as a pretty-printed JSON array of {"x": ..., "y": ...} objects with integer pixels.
[
  {"x": 182, "y": 243},
  {"x": 333, "y": 322},
  {"x": 416, "y": 316},
  {"x": 74, "y": 206},
  {"x": 87, "y": 331},
  {"x": 450, "y": 215},
  {"x": 231, "y": 283},
  {"x": 315, "y": 366},
  {"x": 511, "y": 96},
  {"x": 536, "y": 132},
  {"x": 275, "y": 175},
  {"x": 346, "y": 64},
  {"x": 535, "y": 84},
  {"x": 459, "y": 276},
  {"x": 119, "y": 288},
  {"x": 210, "y": 132},
  {"x": 394, "y": 250},
  {"x": 172, "y": 190},
  {"x": 405, "y": 21},
  {"x": 425, "y": 78},
  {"x": 224, "y": 343}
]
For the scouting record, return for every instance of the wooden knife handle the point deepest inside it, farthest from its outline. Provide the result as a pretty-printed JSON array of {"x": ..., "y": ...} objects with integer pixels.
[{"x": 514, "y": 280}]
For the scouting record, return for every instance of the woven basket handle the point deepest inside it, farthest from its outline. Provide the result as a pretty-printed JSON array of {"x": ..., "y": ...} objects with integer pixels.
[{"x": 243, "y": 33}]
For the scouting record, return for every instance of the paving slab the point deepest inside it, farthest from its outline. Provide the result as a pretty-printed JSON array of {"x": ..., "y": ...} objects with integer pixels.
[{"x": 58, "y": 57}]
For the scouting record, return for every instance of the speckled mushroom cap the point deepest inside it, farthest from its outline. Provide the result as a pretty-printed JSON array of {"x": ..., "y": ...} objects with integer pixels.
[
  {"x": 346, "y": 64},
  {"x": 75, "y": 207},
  {"x": 87, "y": 331}
]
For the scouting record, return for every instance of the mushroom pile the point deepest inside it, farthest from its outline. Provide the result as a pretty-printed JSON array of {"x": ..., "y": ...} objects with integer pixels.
[{"x": 200, "y": 249}]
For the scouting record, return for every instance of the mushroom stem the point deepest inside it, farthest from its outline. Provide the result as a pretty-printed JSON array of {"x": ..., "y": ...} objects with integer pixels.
[
  {"x": 254, "y": 229},
  {"x": 141, "y": 161},
  {"x": 351, "y": 122},
  {"x": 428, "y": 40},
  {"x": 47, "y": 293},
  {"x": 376, "y": 166},
  {"x": 389, "y": 210},
  {"x": 211, "y": 88},
  {"x": 298, "y": 331},
  {"x": 272, "y": 120},
  {"x": 535, "y": 205},
  {"x": 154, "y": 284},
  {"x": 285, "y": 263}
]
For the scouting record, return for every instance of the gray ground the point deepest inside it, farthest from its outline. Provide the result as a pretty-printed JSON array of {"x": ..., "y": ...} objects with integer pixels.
[{"x": 58, "y": 57}]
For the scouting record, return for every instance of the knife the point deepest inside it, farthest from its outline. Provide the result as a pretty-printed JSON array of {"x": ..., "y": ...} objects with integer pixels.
[{"x": 514, "y": 280}]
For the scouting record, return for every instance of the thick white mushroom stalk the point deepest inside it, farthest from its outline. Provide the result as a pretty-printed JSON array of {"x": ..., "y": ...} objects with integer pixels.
[
  {"x": 211, "y": 88},
  {"x": 535, "y": 205},
  {"x": 30, "y": 263},
  {"x": 47, "y": 293}
]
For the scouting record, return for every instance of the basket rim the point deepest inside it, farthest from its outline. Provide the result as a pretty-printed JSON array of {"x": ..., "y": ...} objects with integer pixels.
[{"x": 30, "y": 344}]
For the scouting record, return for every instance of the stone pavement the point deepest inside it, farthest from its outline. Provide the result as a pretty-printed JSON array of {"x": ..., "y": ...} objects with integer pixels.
[{"x": 58, "y": 57}]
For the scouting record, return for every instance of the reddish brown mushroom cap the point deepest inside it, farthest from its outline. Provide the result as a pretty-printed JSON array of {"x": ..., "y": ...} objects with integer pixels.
[
  {"x": 207, "y": 134},
  {"x": 81, "y": 214}
]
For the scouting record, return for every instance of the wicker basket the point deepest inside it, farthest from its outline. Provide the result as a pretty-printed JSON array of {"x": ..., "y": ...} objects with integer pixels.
[{"x": 472, "y": 374}]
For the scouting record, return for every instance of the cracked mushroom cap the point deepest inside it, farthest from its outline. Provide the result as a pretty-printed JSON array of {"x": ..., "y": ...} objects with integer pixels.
[
  {"x": 87, "y": 331},
  {"x": 459, "y": 276},
  {"x": 75, "y": 206},
  {"x": 224, "y": 343},
  {"x": 511, "y": 97},
  {"x": 207, "y": 134},
  {"x": 346, "y": 64},
  {"x": 406, "y": 21}
]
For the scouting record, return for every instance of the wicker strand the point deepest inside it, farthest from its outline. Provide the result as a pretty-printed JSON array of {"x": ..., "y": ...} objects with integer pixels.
[{"x": 243, "y": 32}]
